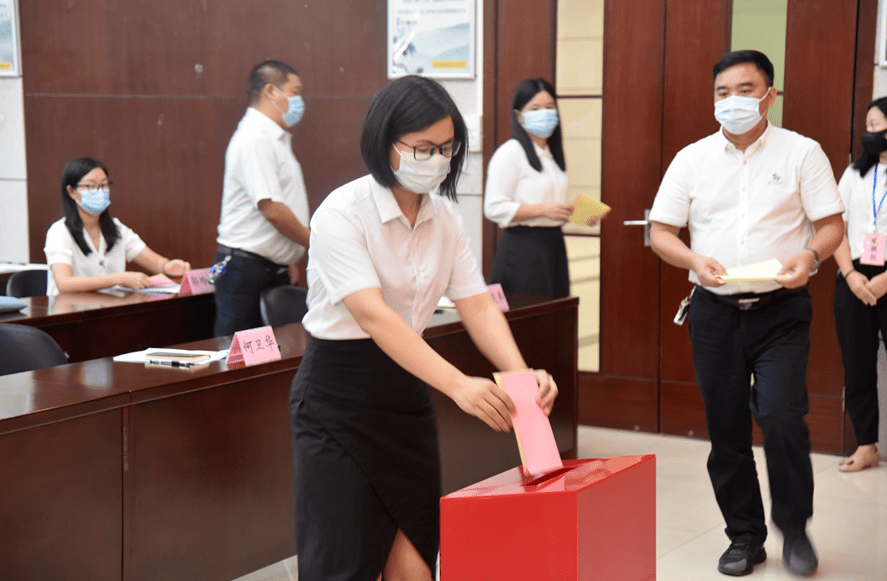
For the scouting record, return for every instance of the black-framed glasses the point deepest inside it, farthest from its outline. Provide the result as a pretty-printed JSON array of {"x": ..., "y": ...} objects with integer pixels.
[
  {"x": 426, "y": 152},
  {"x": 93, "y": 188}
]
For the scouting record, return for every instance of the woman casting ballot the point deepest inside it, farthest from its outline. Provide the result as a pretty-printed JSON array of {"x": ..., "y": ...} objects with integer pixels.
[
  {"x": 88, "y": 249},
  {"x": 383, "y": 251}
]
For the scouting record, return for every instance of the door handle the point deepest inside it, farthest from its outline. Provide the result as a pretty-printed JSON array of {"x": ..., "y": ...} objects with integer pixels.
[{"x": 645, "y": 223}]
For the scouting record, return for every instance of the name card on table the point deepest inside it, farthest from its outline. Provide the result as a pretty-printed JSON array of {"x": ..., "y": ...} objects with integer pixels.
[
  {"x": 498, "y": 295},
  {"x": 196, "y": 282},
  {"x": 253, "y": 346}
]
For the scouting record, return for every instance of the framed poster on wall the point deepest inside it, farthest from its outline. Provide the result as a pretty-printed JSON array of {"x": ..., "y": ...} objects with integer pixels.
[
  {"x": 10, "y": 53},
  {"x": 433, "y": 38}
]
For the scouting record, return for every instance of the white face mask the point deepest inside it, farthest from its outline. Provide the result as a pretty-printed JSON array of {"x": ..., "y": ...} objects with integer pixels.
[
  {"x": 739, "y": 114},
  {"x": 422, "y": 177}
]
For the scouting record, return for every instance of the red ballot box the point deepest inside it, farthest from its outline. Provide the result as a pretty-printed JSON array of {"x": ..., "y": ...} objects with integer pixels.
[{"x": 593, "y": 520}]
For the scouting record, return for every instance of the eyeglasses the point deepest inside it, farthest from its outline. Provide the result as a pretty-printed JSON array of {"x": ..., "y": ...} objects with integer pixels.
[
  {"x": 93, "y": 188},
  {"x": 426, "y": 152}
]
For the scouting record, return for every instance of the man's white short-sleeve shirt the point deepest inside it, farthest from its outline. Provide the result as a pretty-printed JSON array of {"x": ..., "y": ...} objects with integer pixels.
[
  {"x": 360, "y": 239},
  {"x": 260, "y": 165},
  {"x": 747, "y": 207}
]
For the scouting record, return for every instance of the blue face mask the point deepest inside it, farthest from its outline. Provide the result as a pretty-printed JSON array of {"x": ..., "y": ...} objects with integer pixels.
[
  {"x": 294, "y": 112},
  {"x": 94, "y": 202},
  {"x": 541, "y": 122}
]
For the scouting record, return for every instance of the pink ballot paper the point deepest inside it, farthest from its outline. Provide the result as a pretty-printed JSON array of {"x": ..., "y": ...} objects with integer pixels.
[{"x": 535, "y": 440}]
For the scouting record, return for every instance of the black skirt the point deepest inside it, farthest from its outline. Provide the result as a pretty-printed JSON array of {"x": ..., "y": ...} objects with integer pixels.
[
  {"x": 532, "y": 260},
  {"x": 366, "y": 461}
]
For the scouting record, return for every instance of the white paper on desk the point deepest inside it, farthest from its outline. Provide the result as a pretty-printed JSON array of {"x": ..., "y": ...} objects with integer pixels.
[
  {"x": 142, "y": 356},
  {"x": 753, "y": 272},
  {"x": 445, "y": 303},
  {"x": 165, "y": 290}
]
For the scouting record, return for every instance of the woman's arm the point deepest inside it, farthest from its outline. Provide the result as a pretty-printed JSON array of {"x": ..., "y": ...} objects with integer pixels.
[
  {"x": 153, "y": 262},
  {"x": 490, "y": 332},
  {"x": 477, "y": 396},
  {"x": 68, "y": 283}
]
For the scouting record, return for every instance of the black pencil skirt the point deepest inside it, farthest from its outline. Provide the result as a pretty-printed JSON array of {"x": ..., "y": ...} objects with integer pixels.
[
  {"x": 366, "y": 461},
  {"x": 532, "y": 260}
]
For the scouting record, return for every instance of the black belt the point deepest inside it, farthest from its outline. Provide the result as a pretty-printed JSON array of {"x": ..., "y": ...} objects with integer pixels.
[
  {"x": 752, "y": 301},
  {"x": 251, "y": 256}
]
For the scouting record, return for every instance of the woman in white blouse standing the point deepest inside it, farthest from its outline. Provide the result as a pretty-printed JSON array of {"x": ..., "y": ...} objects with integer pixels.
[
  {"x": 87, "y": 249},
  {"x": 860, "y": 306},
  {"x": 382, "y": 253},
  {"x": 526, "y": 194}
]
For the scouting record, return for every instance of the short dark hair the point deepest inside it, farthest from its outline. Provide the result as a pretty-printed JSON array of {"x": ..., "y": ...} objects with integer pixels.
[
  {"x": 270, "y": 71},
  {"x": 866, "y": 160},
  {"x": 72, "y": 173},
  {"x": 737, "y": 57},
  {"x": 523, "y": 94},
  {"x": 406, "y": 105}
]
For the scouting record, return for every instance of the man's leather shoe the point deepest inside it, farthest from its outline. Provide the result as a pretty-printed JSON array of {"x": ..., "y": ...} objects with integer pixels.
[
  {"x": 741, "y": 557},
  {"x": 798, "y": 554}
]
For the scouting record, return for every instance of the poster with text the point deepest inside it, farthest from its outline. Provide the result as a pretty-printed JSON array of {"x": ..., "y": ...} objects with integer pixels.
[
  {"x": 9, "y": 48},
  {"x": 433, "y": 38}
]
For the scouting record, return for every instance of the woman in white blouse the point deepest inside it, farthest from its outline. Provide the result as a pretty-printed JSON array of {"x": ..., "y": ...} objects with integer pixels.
[
  {"x": 383, "y": 251},
  {"x": 88, "y": 249},
  {"x": 860, "y": 306},
  {"x": 526, "y": 194}
]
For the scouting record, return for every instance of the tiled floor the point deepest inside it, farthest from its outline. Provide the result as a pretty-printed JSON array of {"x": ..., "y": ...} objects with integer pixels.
[{"x": 849, "y": 527}]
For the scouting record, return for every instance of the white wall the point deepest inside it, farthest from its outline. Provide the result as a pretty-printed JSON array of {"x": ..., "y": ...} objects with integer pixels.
[{"x": 13, "y": 177}]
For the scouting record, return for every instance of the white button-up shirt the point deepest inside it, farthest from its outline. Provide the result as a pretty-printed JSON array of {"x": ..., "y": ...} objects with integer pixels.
[
  {"x": 512, "y": 181},
  {"x": 748, "y": 207},
  {"x": 856, "y": 191},
  {"x": 61, "y": 248},
  {"x": 361, "y": 239},
  {"x": 260, "y": 165}
]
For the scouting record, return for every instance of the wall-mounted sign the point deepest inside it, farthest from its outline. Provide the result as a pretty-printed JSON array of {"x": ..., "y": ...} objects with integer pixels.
[
  {"x": 10, "y": 55},
  {"x": 433, "y": 38}
]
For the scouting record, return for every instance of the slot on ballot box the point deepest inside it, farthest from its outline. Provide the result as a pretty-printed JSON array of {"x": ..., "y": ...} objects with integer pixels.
[{"x": 591, "y": 520}]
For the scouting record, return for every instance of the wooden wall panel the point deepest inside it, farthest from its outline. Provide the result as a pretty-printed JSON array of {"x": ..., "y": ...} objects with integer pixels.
[
  {"x": 821, "y": 36},
  {"x": 698, "y": 34},
  {"x": 520, "y": 39},
  {"x": 630, "y": 173},
  {"x": 617, "y": 402},
  {"x": 155, "y": 90}
]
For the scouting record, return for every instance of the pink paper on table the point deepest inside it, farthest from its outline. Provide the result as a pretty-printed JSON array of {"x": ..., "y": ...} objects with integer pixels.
[
  {"x": 160, "y": 280},
  {"x": 535, "y": 440}
]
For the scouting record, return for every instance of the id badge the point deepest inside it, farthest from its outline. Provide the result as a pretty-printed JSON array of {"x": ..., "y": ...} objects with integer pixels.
[{"x": 873, "y": 245}]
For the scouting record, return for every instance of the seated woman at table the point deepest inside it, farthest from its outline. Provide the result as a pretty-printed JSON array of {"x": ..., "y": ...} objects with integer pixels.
[{"x": 88, "y": 249}]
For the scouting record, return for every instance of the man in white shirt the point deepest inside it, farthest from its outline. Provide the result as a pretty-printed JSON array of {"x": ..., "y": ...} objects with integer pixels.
[
  {"x": 749, "y": 193},
  {"x": 263, "y": 227}
]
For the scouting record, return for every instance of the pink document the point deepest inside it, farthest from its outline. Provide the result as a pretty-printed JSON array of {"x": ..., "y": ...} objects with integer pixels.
[{"x": 535, "y": 440}]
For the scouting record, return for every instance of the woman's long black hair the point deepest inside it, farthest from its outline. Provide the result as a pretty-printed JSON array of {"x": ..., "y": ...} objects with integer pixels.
[
  {"x": 866, "y": 160},
  {"x": 523, "y": 93},
  {"x": 72, "y": 173}
]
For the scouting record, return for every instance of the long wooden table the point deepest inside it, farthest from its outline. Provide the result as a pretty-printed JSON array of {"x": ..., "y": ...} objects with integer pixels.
[
  {"x": 93, "y": 325},
  {"x": 117, "y": 471}
]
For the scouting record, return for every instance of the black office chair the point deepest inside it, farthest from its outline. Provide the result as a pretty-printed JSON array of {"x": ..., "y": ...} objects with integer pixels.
[
  {"x": 27, "y": 283},
  {"x": 25, "y": 348},
  {"x": 282, "y": 305}
]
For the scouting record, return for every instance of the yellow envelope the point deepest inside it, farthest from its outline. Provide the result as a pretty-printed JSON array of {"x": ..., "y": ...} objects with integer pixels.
[{"x": 586, "y": 207}]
